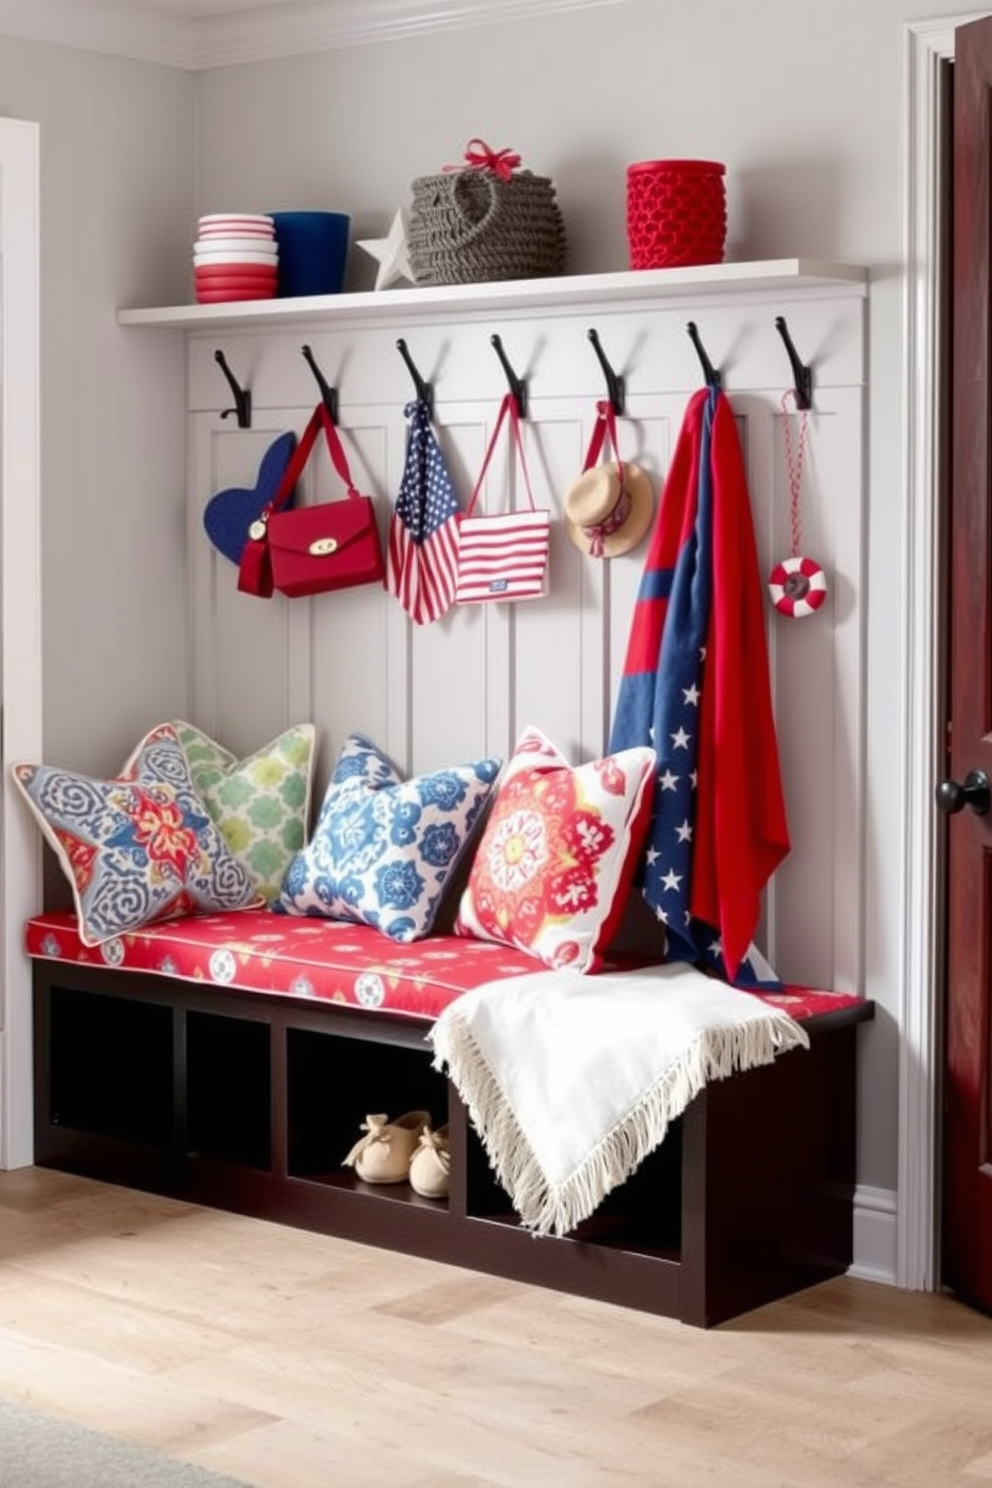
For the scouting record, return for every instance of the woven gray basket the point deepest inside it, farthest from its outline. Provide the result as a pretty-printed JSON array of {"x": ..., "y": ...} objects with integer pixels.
[{"x": 471, "y": 225}]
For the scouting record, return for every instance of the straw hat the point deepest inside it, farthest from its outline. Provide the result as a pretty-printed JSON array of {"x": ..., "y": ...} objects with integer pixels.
[{"x": 605, "y": 519}]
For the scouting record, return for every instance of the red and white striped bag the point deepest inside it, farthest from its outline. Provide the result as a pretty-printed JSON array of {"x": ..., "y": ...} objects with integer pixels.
[{"x": 505, "y": 555}]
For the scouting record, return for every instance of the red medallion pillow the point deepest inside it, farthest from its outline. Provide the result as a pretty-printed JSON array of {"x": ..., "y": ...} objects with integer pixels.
[{"x": 554, "y": 867}]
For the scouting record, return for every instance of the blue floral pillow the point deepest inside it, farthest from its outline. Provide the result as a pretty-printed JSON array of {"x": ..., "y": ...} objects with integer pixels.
[
  {"x": 384, "y": 848},
  {"x": 360, "y": 760},
  {"x": 138, "y": 848}
]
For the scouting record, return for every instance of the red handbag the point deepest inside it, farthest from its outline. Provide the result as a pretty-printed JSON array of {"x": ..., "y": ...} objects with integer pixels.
[{"x": 313, "y": 549}]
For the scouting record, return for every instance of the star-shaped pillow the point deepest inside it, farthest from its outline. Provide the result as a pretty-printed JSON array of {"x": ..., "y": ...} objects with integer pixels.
[
  {"x": 384, "y": 848},
  {"x": 261, "y": 803},
  {"x": 138, "y": 848}
]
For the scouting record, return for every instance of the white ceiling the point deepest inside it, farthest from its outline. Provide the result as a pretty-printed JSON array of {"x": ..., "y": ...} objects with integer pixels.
[{"x": 217, "y": 33}]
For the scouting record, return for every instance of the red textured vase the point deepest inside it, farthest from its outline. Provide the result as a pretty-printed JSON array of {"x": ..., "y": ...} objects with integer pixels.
[{"x": 676, "y": 213}]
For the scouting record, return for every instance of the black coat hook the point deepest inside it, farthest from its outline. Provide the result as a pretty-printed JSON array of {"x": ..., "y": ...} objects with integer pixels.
[
  {"x": 425, "y": 391},
  {"x": 328, "y": 393},
  {"x": 711, "y": 373},
  {"x": 802, "y": 374},
  {"x": 614, "y": 383},
  {"x": 518, "y": 386},
  {"x": 242, "y": 396}
]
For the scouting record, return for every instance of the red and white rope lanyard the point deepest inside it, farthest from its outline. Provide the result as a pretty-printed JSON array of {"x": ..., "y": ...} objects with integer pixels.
[{"x": 797, "y": 585}]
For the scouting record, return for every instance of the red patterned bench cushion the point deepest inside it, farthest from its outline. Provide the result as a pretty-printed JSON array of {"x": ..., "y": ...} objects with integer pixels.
[{"x": 327, "y": 960}]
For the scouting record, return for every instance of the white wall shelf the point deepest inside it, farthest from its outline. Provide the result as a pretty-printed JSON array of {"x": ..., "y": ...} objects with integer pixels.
[{"x": 547, "y": 295}]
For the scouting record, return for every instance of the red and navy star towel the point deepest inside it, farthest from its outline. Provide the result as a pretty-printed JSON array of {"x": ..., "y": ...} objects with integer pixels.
[{"x": 696, "y": 688}]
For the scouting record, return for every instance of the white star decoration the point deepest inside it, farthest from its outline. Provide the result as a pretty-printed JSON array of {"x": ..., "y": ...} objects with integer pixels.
[
  {"x": 680, "y": 740},
  {"x": 668, "y": 781},
  {"x": 391, "y": 252}
]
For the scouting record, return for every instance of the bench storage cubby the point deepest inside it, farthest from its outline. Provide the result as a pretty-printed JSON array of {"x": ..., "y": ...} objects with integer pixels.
[{"x": 248, "y": 1101}]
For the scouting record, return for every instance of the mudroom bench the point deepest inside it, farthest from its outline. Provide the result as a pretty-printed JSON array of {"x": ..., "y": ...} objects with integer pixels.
[{"x": 230, "y": 1061}]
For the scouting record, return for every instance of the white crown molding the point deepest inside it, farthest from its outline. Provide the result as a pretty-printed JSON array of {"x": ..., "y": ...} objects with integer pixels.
[
  {"x": 110, "y": 26},
  {"x": 314, "y": 25},
  {"x": 156, "y": 33}
]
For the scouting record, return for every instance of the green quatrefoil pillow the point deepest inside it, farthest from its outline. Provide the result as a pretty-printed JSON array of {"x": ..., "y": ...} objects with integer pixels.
[{"x": 261, "y": 804}]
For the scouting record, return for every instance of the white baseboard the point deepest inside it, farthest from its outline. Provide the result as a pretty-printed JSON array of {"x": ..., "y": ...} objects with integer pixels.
[{"x": 875, "y": 1243}]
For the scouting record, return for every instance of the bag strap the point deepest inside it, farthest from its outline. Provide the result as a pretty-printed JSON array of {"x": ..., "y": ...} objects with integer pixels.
[
  {"x": 255, "y": 568},
  {"x": 508, "y": 406},
  {"x": 320, "y": 418}
]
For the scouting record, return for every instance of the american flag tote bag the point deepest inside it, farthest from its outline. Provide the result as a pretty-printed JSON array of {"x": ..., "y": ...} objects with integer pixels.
[
  {"x": 423, "y": 532},
  {"x": 503, "y": 556}
]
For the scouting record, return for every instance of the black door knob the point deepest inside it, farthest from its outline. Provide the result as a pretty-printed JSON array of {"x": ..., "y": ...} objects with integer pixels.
[{"x": 952, "y": 796}]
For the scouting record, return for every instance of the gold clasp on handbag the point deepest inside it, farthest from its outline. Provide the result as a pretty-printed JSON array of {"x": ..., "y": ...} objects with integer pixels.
[{"x": 323, "y": 545}]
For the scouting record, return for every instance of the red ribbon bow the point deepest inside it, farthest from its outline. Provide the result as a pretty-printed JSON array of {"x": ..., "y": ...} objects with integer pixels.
[{"x": 479, "y": 156}]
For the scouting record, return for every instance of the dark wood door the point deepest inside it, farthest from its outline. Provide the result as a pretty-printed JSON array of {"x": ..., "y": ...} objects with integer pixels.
[{"x": 967, "y": 1212}]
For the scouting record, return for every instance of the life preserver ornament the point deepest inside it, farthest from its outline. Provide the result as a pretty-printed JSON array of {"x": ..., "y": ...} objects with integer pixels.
[{"x": 798, "y": 587}]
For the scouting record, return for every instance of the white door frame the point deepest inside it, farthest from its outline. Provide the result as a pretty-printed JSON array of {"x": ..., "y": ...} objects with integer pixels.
[
  {"x": 20, "y": 616},
  {"x": 929, "y": 44}
]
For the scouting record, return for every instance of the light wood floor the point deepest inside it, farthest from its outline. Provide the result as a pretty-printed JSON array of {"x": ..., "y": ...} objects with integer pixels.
[{"x": 295, "y": 1361}]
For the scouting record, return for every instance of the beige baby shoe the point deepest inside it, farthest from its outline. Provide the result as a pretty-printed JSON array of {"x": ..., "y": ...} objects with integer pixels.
[
  {"x": 430, "y": 1166},
  {"x": 383, "y": 1154}
]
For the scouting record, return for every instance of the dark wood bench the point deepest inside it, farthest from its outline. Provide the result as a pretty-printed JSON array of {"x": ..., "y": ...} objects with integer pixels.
[{"x": 248, "y": 1101}]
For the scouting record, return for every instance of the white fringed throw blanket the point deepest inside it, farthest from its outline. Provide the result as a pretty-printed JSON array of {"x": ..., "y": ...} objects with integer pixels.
[{"x": 572, "y": 1080}]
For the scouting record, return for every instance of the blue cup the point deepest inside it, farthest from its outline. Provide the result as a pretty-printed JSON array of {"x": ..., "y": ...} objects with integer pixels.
[{"x": 313, "y": 252}]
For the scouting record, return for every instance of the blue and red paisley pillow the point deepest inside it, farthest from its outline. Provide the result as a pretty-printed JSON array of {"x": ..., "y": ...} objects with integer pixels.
[{"x": 138, "y": 848}]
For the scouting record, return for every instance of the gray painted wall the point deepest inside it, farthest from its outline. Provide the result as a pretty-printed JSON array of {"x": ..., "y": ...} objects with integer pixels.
[
  {"x": 804, "y": 103},
  {"x": 116, "y": 153}
]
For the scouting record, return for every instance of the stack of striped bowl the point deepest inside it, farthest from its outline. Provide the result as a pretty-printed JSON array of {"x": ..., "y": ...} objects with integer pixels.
[{"x": 235, "y": 257}]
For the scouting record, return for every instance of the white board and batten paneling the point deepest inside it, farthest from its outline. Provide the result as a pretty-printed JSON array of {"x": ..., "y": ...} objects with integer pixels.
[{"x": 469, "y": 684}]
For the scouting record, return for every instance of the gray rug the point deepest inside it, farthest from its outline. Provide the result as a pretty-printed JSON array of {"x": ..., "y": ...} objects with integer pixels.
[{"x": 39, "y": 1451}]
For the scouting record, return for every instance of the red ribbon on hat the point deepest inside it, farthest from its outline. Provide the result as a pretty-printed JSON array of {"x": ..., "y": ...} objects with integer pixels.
[
  {"x": 606, "y": 427},
  {"x": 501, "y": 162}
]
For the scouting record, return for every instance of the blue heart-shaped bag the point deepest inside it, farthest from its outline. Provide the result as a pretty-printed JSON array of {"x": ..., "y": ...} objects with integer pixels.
[{"x": 228, "y": 515}]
